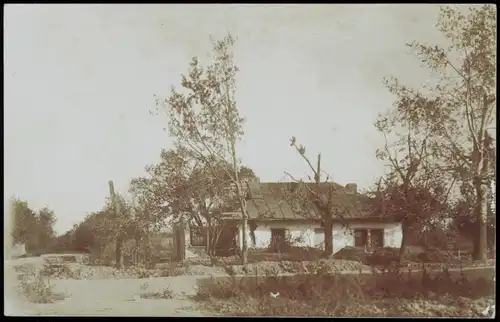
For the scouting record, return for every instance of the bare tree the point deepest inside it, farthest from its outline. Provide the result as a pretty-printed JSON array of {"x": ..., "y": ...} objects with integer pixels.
[{"x": 320, "y": 199}]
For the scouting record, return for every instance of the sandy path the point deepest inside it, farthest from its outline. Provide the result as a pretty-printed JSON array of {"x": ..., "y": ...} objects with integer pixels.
[
  {"x": 115, "y": 297},
  {"x": 118, "y": 298}
]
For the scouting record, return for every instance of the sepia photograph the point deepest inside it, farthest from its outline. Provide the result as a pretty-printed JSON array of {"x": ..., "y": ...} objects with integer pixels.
[{"x": 258, "y": 160}]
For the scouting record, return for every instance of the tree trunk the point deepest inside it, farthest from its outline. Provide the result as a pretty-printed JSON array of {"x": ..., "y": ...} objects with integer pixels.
[
  {"x": 402, "y": 249},
  {"x": 209, "y": 237},
  {"x": 328, "y": 238},
  {"x": 136, "y": 251},
  {"x": 241, "y": 198},
  {"x": 244, "y": 224},
  {"x": 119, "y": 255},
  {"x": 147, "y": 250},
  {"x": 244, "y": 247},
  {"x": 480, "y": 240}
]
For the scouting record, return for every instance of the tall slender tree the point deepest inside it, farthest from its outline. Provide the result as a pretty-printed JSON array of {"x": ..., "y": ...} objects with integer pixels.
[{"x": 204, "y": 119}]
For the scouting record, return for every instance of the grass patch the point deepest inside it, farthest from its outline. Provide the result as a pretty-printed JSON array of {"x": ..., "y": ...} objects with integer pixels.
[
  {"x": 167, "y": 293},
  {"x": 379, "y": 294}
]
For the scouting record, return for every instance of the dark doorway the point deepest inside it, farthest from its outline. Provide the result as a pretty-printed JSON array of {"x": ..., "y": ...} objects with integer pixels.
[
  {"x": 278, "y": 240},
  {"x": 360, "y": 237},
  {"x": 226, "y": 243},
  {"x": 377, "y": 238}
]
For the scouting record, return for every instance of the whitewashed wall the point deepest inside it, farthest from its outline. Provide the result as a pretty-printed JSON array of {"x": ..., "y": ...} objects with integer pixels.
[{"x": 342, "y": 237}]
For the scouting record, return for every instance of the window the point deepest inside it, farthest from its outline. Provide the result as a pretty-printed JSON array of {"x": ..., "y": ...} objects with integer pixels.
[
  {"x": 377, "y": 238},
  {"x": 369, "y": 237},
  {"x": 360, "y": 237}
]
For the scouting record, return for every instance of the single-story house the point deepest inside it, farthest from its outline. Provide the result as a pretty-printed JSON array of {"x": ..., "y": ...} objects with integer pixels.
[{"x": 271, "y": 217}]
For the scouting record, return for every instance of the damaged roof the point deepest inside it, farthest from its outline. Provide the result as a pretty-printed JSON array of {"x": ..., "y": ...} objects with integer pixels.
[{"x": 273, "y": 201}]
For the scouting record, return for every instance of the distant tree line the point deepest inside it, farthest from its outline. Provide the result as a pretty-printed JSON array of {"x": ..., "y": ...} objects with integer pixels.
[{"x": 35, "y": 229}]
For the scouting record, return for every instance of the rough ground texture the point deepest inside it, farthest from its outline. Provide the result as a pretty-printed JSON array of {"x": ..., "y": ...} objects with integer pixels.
[
  {"x": 93, "y": 290},
  {"x": 436, "y": 294},
  {"x": 119, "y": 297},
  {"x": 441, "y": 307}
]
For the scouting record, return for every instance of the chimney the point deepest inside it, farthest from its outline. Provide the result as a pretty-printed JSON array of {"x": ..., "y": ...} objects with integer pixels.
[
  {"x": 254, "y": 189},
  {"x": 351, "y": 188}
]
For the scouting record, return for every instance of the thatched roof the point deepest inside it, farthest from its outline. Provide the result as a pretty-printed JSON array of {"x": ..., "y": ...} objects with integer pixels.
[{"x": 268, "y": 201}]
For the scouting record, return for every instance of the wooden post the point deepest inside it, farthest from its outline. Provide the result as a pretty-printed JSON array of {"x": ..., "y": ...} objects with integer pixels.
[
  {"x": 318, "y": 170},
  {"x": 116, "y": 209}
]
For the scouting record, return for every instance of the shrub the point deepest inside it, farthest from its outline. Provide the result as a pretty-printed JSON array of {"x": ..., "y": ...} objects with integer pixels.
[
  {"x": 294, "y": 253},
  {"x": 384, "y": 257},
  {"x": 171, "y": 269},
  {"x": 381, "y": 294},
  {"x": 37, "y": 288},
  {"x": 167, "y": 293},
  {"x": 57, "y": 270},
  {"x": 218, "y": 288},
  {"x": 434, "y": 255},
  {"x": 352, "y": 253}
]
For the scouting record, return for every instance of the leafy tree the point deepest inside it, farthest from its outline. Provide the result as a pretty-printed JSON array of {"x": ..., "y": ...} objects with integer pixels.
[
  {"x": 463, "y": 216},
  {"x": 103, "y": 227},
  {"x": 34, "y": 229},
  {"x": 24, "y": 228},
  {"x": 180, "y": 186},
  {"x": 419, "y": 208},
  {"x": 63, "y": 242},
  {"x": 204, "y": 119},
  {"x": 458, "y": 108},
  {"x": 46, "y": 220},
  {"x": 415, "y": 189}
]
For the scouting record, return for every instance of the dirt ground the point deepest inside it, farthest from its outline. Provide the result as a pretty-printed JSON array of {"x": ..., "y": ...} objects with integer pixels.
[
  {"x": 121, "y": 297},
  {"x": 116, "y": 297},
  {"x": 112, "y": 297}
]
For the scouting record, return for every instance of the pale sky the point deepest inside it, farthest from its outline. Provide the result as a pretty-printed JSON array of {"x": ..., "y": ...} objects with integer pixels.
[{"x": 79, "y": 81}]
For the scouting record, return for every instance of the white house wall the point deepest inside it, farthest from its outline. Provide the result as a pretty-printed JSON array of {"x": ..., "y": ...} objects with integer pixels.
[{"x": 342, "y": 237}]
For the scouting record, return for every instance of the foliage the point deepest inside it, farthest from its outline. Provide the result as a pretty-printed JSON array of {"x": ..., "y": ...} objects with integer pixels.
[
  {"x": 25, "y": 223},
  {"x": 463, "y": 216},
  {"x": 180, "y": 186},
  {"x": 420, "y": 209},
  {"x": 455, "y": 113},
  {"x": 204, "y": 119},
  {"x": 35, "y": 229},
  {"x": 37, "y": 289},
  {"x": 100, "y": 229}
]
